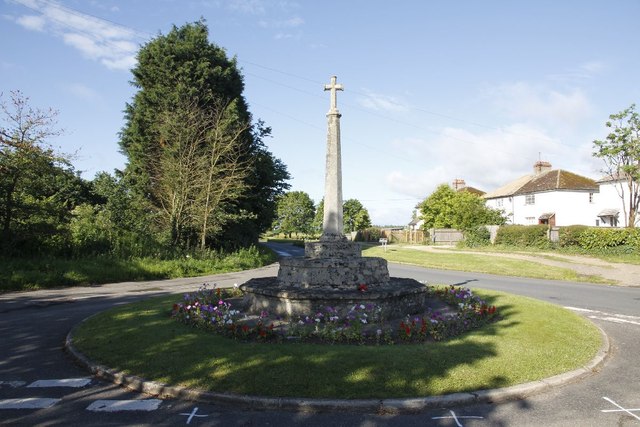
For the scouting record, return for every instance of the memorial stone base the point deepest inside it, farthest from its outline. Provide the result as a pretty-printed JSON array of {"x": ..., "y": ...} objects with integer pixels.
[{"x": 333, "y": 274}]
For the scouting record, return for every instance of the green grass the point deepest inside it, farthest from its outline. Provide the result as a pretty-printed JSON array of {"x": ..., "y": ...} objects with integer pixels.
[
  {"x": 42, "y": 273},
  {"x": 610, "y": 256},
  {"x": 451, "y": 260},
  {"x": 534, "y": 340}
]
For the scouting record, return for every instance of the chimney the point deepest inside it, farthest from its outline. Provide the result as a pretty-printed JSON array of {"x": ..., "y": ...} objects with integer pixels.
[
  {"x": 541, "y": 166},
  {"x": 459, "y": 184}
]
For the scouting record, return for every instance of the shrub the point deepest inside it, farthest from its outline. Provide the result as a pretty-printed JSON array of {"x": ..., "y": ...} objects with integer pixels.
[
  {"x": 570, "y": 236},
  {"x": 371, "y": 234},
  {"x": 477, "y": 237},
  {"x": 604, "y": 238},
  {"x": 523, "y": 235}
]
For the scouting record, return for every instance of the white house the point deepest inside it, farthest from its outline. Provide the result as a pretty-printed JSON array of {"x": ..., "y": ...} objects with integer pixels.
[
  {"x": 614, "y": 202},
  {"x": 549, "y": 196}
]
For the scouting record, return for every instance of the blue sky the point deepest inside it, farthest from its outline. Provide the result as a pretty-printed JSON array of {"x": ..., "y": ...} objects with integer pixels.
[{"x": 434, "y": 91}]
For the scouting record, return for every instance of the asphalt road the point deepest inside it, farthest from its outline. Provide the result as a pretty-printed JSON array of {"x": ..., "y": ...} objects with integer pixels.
[{"x": 33, "y": 327}]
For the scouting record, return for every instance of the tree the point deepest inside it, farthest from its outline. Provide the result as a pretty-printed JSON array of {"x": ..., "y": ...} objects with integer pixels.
[
  {"x": 620, "y": 151},
  {"x": 462, "y": 210},
  {"x": 355, "y": 216},
  {"x": 38, "y": 186},
  {"x": 183, "y": 76},
  {"x": 295, "y": 213}
]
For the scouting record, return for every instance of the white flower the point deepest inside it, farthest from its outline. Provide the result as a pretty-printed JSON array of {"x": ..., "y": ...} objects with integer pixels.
[
  {"x": 363, "y": 320},
  {"x": 361, "y": 306}
]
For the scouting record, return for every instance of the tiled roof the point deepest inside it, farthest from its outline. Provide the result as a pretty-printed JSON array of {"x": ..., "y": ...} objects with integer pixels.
[
  {"x": 508, "y": 189},
  {"x": 473, "y": 190},
  {"x": 550, "y": 180},
  {"x": 557, "y": 180}
]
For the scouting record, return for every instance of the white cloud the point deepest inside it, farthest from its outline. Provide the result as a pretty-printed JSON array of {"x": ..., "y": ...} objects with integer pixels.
[
  {"x": 253, "y": 7},
  {"x": 32, "y": 22},
  {"x": 112, "y": 45},
  {"x": 485, "y": 160},
  {"x": 379, "y": 102},
  {"x": 538, "y": 104}
]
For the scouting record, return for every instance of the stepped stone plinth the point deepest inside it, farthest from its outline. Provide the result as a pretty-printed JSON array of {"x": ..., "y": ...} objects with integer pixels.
[{"x": 333, "y": 272}]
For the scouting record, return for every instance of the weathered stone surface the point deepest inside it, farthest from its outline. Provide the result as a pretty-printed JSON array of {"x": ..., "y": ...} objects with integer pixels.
[
  {"x": 333, "y": 273},
  {"x": 398, "y": 297},
  {"x": 332, "y": 249}
]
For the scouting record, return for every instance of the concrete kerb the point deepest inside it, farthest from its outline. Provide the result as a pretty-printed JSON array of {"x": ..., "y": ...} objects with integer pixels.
[{"x": 379, "y": 406}]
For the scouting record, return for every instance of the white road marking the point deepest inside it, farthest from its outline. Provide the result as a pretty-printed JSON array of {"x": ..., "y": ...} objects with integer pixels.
[
  {"x": 456, "y": 418},
  {"x": 14, "y": 384},
  {"x": 28, "y": 403},
  {"x": 124, "y": 405},
  {"x": 609, "y": 317},
  {"x": 67, "y": 382},
  {"x": 193, "y": 414},
  {"x": 621, "y": 409}
]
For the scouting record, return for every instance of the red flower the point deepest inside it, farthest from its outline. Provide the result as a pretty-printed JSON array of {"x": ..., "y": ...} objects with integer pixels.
[{"x": 362, "y": 287}]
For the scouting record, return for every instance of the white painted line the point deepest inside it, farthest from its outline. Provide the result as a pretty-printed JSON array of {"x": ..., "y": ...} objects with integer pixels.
[
  {"x": 68, "y": 382},
  {"x": 615, "y": 320},
  {"x": 456, "y": 418},
  {"x": 124, "y": 405},
  {"x": 628, "y": 411},
  {"x": 193, "y": 414},
  {"x": 28, "y": 403},
  {"x": 14, "y": 384},
  {"x": 584, "y": 310}
]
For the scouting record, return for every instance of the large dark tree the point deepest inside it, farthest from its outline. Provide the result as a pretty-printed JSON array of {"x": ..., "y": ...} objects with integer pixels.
[{"x": 182, "y": 69}]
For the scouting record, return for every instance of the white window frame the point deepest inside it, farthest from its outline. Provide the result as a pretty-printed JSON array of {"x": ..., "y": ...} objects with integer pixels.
[{"x": 530, "y": 199}]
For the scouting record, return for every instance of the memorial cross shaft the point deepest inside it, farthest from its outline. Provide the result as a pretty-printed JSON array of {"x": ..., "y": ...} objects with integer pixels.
[{"x": 332, "y": 223}]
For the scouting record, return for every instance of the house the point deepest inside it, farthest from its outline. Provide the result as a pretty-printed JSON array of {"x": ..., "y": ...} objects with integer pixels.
[
  {"x": 614, "y": 208},
  {"x": 548, "y": 196},
  {"x": 460, "y": 185}
]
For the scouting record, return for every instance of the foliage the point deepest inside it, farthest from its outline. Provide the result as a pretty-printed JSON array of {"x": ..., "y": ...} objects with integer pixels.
[
  {"x": 38, "y": 186},
  {"x": 355, "y": 216},
  {"x": 620, "y": 151},
  {"x": 462, "y": 210},
  {"x": 362, "y": 323},
  {"x": 295, "y": 213},
  {"x": 570, "y": 236},
  {"x": 477, "y": 237},
  {"x": 534, "y": 236},
  {"x": 191, "y": 147},
  {"x": 371, "y": 234},
  {"x": 597, "y": 239},
  {"x": 50, "y": 272}
]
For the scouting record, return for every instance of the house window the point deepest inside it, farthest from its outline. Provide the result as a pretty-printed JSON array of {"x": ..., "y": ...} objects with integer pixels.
[
  {"x": 530, "y": 199},
  {"x": 530, "y": 220},
  {"x": 499, "y": 203},
  {"x": 590, "y": 197},
  {"x": 597, "y": 223}
]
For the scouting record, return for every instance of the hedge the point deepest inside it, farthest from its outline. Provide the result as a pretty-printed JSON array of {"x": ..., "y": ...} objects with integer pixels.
[{"x": 524, "y": 235}]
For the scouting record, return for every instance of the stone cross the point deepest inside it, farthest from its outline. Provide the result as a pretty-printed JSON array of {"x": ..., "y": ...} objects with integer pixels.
[
  {"x": 333, "y": 87},
  {"x": 332, "y": 225}
]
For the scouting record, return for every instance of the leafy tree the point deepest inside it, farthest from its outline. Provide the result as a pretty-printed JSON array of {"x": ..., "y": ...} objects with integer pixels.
[
  {"x": 355, "y": 216},
  {"x": 295, "y": 213},
  {"x": 38, "y": 187},
  {"x": 620, "y": 151},
  {"x": 117, "y": 221},
  {"x": 462, "y": 210},
  {"x": 183, "y": 76}
]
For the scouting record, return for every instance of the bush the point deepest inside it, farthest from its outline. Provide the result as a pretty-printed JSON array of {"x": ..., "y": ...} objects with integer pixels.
[
  {"x": 477, "y": 237},
  {"x": 371, "y": 234},
  {"x": 570, "y": 236},
  {"x": 523, "y": 235},
  {"x": 604, "y": 238}
]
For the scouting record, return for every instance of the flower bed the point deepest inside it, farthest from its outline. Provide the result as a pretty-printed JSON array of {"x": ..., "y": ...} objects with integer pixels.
[{"x": 218, "y": 310}]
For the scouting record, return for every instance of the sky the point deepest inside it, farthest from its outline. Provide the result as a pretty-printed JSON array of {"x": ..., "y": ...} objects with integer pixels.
[{"x": 433, "y": 90}]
